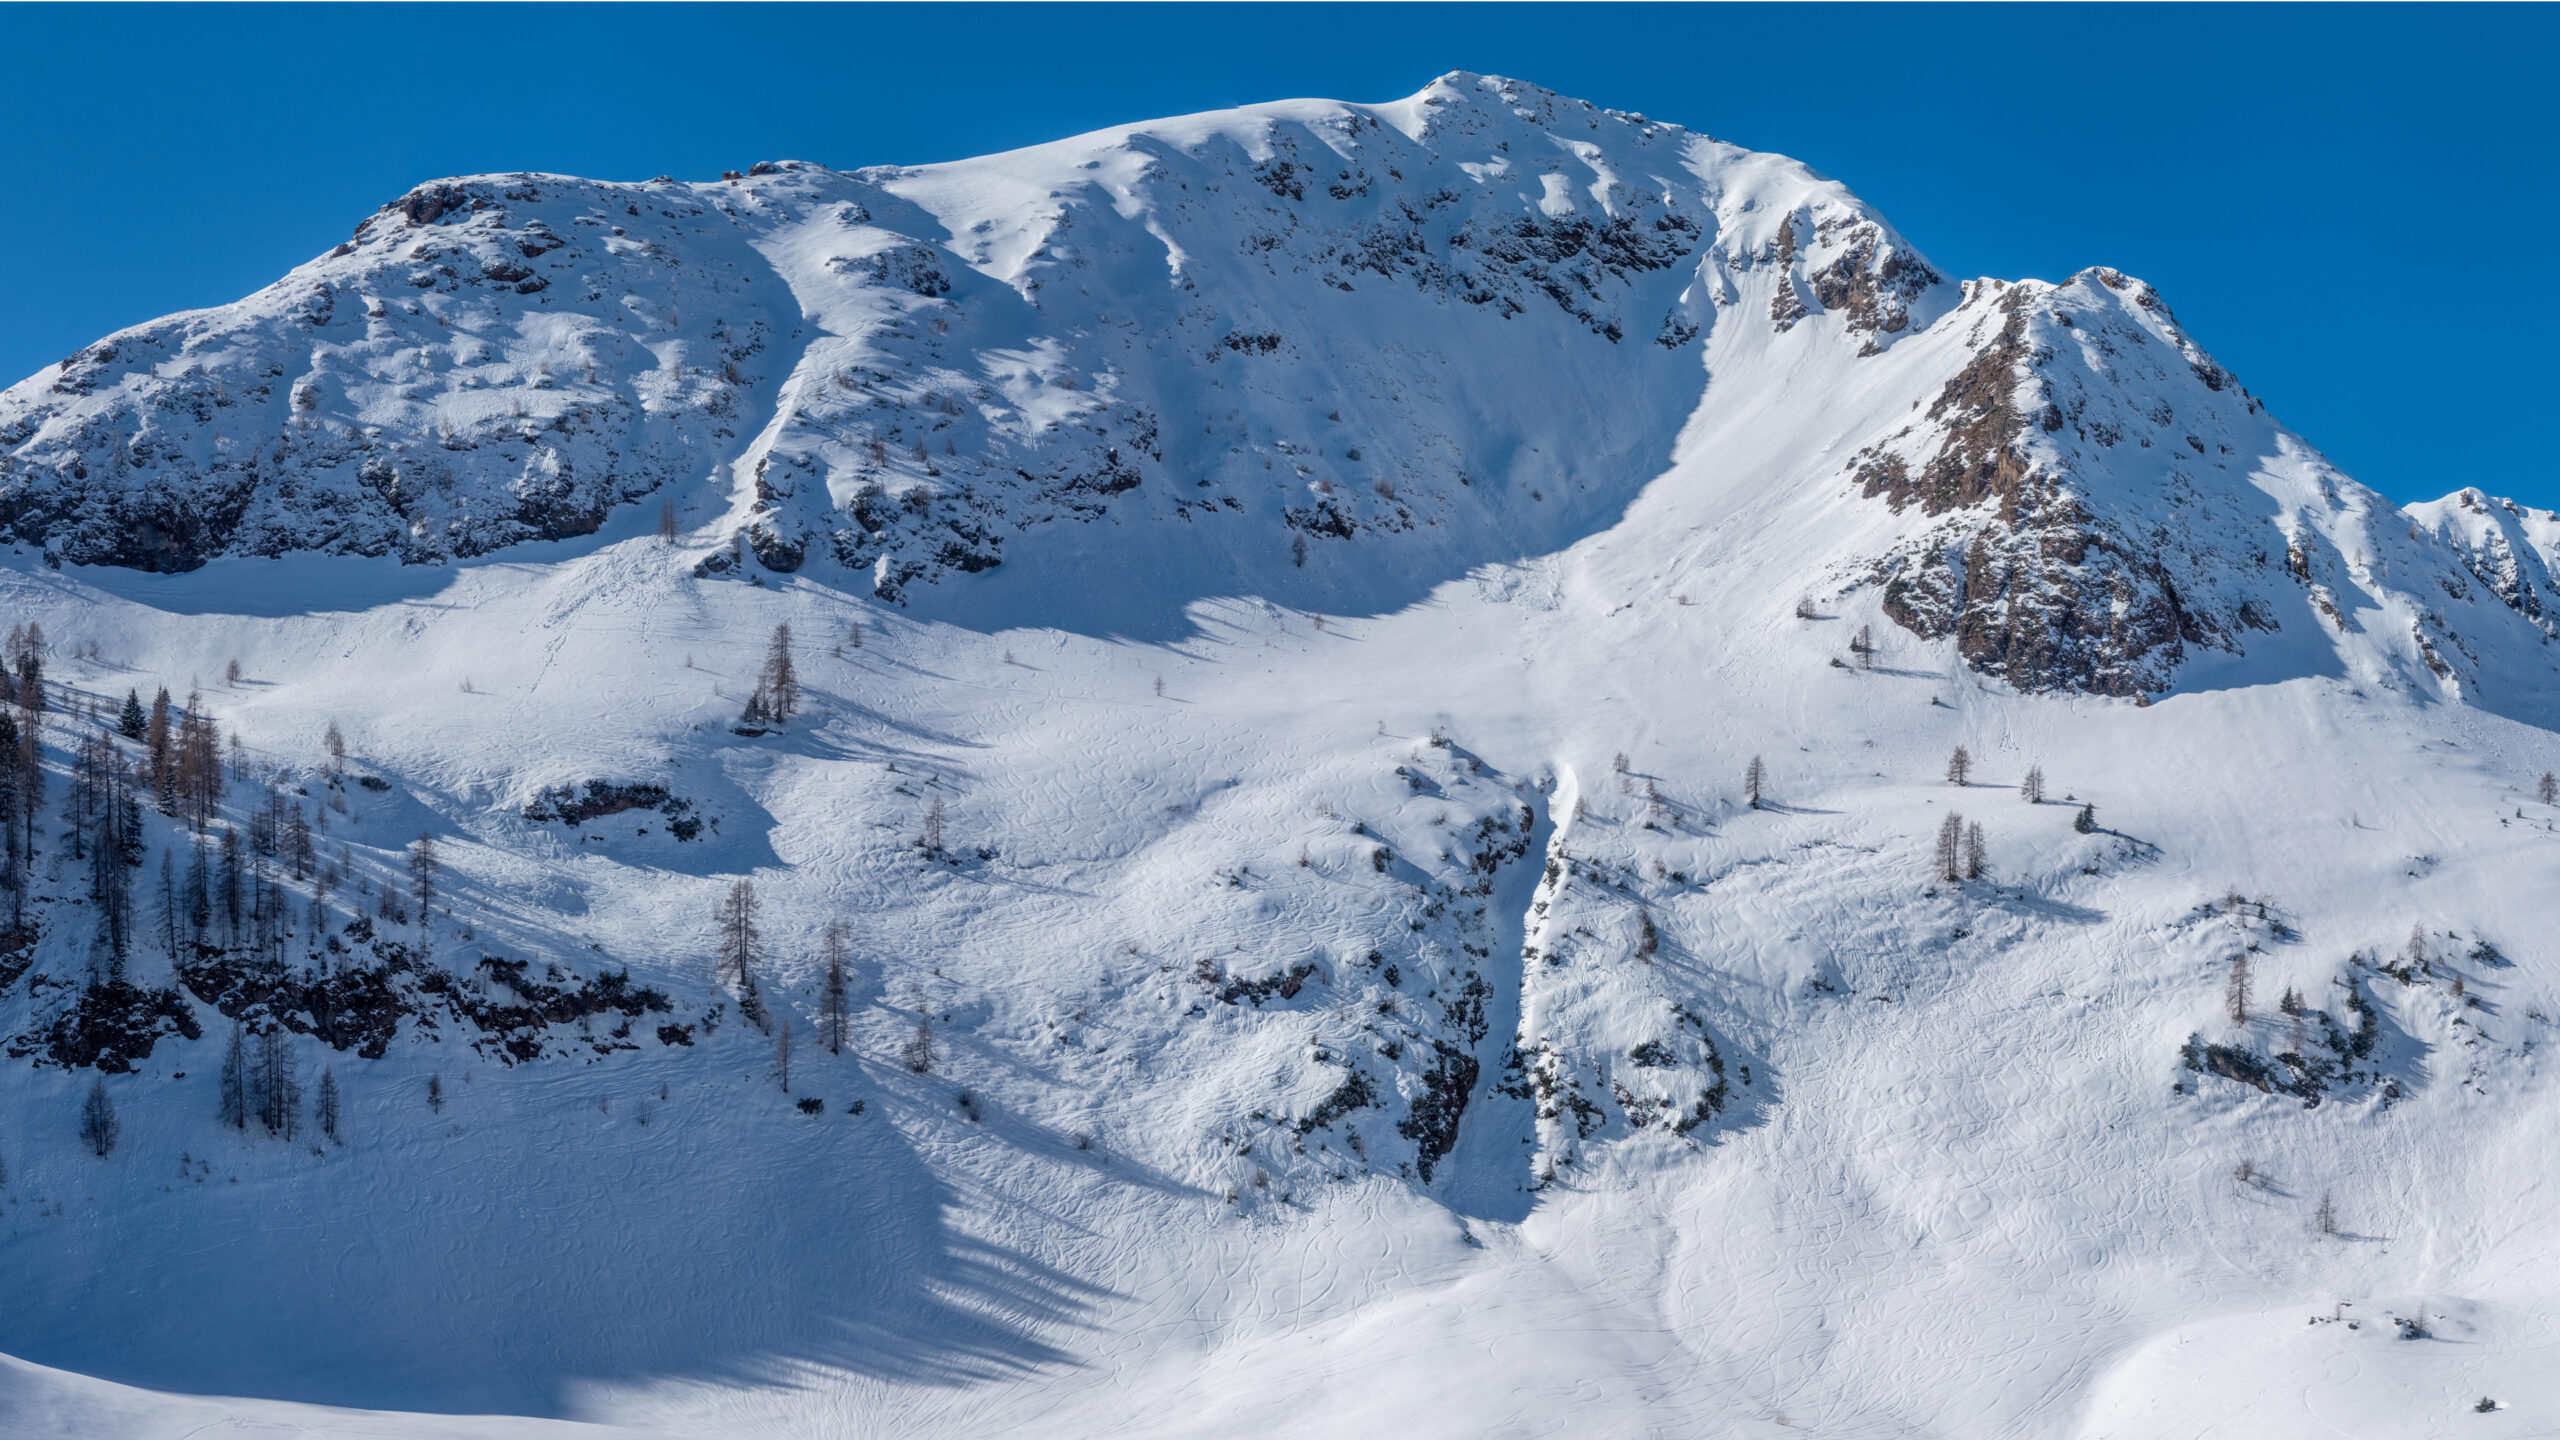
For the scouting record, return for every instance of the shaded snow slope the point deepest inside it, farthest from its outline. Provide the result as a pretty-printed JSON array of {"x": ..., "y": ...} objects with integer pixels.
[{"x": 1347, "y": 995}]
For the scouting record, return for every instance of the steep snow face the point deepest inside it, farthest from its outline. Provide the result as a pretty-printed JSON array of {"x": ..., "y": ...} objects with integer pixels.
[
  {"x": 1468, "y": 321},
  {"x": 2507, "y": 547}
]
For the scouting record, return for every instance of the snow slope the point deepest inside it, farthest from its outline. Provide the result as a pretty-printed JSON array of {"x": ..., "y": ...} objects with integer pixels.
[{"x": 1360, "y": 992}]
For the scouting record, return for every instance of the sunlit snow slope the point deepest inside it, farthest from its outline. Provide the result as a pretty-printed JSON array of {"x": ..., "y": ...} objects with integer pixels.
[{"x": 1287, "y": 601}]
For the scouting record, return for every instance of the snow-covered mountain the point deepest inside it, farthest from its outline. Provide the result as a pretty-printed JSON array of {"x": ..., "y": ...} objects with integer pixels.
[{"x": 1376, "y": 697}]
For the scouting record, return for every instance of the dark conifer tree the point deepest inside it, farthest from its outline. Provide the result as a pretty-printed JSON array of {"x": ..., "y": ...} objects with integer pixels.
[
  {"x": 156, "y": 740},
  {"x": 130, "y": 721}
]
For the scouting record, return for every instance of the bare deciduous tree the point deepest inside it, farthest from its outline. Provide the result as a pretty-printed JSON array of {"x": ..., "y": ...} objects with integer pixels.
[
  {"x": 1959, "y": 766},
  {"x": 2031, "y": 789},
  {"x": 423, "y": 868},
  {"x": 2235, "y": 991},
  {"x": 776, "y": 697},
  {"x": 740, "y": 939},
  {"x": 832, "y": 1007},
  {"x": 1754, "y": 777},
  {"x": 98, "y": 1124},
  {"x": 1947, "y": 861},
  {"x": 918, "y": 1054},
  {"x": 325, "y": 1109}
]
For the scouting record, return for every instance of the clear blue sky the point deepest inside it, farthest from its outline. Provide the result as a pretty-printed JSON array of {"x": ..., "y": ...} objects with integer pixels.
[{"x": 2351, "y": 207}]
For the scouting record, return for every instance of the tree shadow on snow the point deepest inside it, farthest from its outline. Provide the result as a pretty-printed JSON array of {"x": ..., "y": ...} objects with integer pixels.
[{"x": 549, "y": 1245}]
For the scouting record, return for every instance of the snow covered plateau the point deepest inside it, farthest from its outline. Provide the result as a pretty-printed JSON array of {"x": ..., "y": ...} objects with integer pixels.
[{"x": 1373, "y": 706}]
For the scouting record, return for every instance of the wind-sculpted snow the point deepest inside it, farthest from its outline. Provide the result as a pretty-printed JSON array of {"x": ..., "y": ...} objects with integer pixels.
[{"x": 1282, "y": 606}]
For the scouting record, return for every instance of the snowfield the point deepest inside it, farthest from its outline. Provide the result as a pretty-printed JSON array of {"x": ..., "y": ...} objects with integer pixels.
[{"x": 1354, "y": 988}]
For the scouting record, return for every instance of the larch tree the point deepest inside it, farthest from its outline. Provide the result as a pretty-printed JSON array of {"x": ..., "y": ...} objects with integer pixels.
[
  {"x": 2235, "y": 990},
  {"x": 918, "y": 1054},
  {"x": 777, "y": 694},
  {"x": 297, "y": 843},
  {"x": 172, "y": 919},
  {"x": 2549, "y": 791},
  {"x": 1977, "y": 855},
  {"x": 275, "y": 1087},
  {"x": 782, "y": 1055},
  {"x": 740, "y": 940},
  {"x": 31, "y": 680},
  {"x": 324, "y": 1110},
  {"x": 98, "y": 1124},
  {"x": 232, "y": 1091},
  {"x": 1947, "y": 861},
  {"x": 1754, "y": 776},
  {"x": 231, "y": 888},
  {"x": 423, "y": 867},
  {"x": 2031, "y": 789},
  {"x": 833, "y": 1007},
  {"x": 1959, "y": 766},
  {"x": 198, "y": 893}
]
